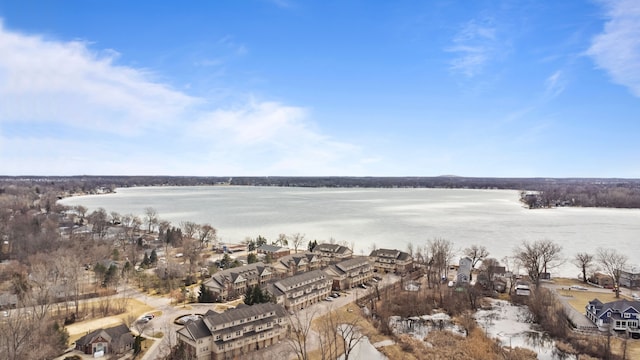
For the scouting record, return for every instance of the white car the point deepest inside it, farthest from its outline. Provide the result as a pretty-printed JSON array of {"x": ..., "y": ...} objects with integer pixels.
[
  {"x": 577, "y": 287},
  {"x": 635, "y": 296}
]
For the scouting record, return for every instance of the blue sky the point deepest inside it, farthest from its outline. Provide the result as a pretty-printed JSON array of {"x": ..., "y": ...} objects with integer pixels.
[{"x": 285, "y": 87}]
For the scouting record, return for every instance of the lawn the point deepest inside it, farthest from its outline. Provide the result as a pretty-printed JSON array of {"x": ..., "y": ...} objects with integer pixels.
[
  {"x": 578, "y": 299},
  {"x": 135, "y": 309}
]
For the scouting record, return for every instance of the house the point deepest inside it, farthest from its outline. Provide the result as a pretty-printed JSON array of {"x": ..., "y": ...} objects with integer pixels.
[
  {"x": 332, "y": 252},
  {"x": 620, "y": 315},
  {"x": 391, "y": 260},
  {"x": 300, "y": 291},
  {"x": 114, "y": 340},
  {"x": 604, "y": 280},
  {"x": 630, "y": 277},
  {"x": 298, "y": 263},
  {"x": 234, "y": 333},
  {"x": 275, "y": 252},
  {"x": 350, "y": 273},
  {"x": 231, "y": 283},
  {"x": 463, "y": 276}
]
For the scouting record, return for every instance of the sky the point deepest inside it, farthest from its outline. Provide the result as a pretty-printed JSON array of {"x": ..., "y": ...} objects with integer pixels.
[{"x": 320, "y": 88}]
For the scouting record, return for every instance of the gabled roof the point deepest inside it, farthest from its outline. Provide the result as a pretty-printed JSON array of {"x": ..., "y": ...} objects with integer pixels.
[
  {"x": 244, "y": 312},
  {"x": 272, "y": 248},
  {"x": 110, "y": 333},
  {"x": 297, "y": 259},
  {"x": 247, "y": 272},
  {"x": 330, "y": 248},
  {"x": 298, "y": 279},
  {"x": 391, "y": 254},
  {"x": 620, "y": 306},
  {"x": 195, "y": 329},
  {"x": 351, "y": 264}
]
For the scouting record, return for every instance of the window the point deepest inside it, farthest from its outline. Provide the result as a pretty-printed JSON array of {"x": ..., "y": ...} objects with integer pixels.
[
  {"x": 217, "y": 337},
  {"x": 627, "y": 315},
  {"x": 237, "y": 333}
]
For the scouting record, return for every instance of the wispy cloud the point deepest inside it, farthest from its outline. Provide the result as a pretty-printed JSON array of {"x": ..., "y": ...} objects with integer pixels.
[
  {"x": 66, "y": 83},
  {"x": 617, "y": 48},
  {"x": 554, "y": 84},
  {"x": 73, "y": 110},
  {"x": 473, "y": 46}
]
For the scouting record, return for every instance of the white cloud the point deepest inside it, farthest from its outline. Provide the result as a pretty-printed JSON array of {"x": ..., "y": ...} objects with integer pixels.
[
  {"x": 258, "y": 130},
  {"x": 67, "y": 109},
  {"x": 617, "y": 48},
  {"x": 474, "y": 45},
  {"x": 65, "y": 82},
  {"x": 554, "y": 84}
]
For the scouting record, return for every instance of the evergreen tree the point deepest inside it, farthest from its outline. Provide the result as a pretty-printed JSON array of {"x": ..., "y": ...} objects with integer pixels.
[
  {"x": 206, "y": 295},
  {"x": 146, "y": 261},
  {"x": 312, "y": 244},
  {"x": 248, "y": 296},
  {"x": 153, "y": 257},
  {"x": 137, "y": 345},
  {"x": 260, "y": 240},
  {"x": 252, "y": 258}
]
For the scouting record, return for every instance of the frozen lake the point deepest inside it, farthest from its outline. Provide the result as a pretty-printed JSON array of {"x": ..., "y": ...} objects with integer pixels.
[{"x": 389, "y": 218}]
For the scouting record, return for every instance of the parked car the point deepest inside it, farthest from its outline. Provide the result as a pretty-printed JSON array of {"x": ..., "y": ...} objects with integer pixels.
[
  {"x": 577, "y": 287},
  {"x": 329, "y": 298},
  {"x": 635, "y": 296}
]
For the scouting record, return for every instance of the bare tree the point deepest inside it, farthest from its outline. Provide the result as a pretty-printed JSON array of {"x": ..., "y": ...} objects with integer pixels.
[
  {"x": 328, "y": 335},
  {"x": 98, "y": 219},
  {"x": 351, "y": 335},
  {"x": 300, "y": 332},
  {"x": 476, "y": 253},
  {"x": 585, "y": 262},
  {"x": 440, "y": 256},
  {"x": 189, "y": 229},
  {"x": 281, "y": 240},
  {"x": 613, "y": 264},
  {"x": 297, "y": 240},
  {"x": 206, "y": 234},
  {"x": 538, "y": 257},
  {"x": 151, "y": 218}
]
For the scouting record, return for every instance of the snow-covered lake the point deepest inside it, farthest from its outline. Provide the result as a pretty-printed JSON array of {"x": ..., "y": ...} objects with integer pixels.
[{"x": 389, "y": 218}]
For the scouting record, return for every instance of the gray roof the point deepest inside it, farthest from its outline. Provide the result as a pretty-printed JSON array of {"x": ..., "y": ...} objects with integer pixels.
[
  {"x": 619, "y": 306},
  {"x": 114, "y": 333},
  {"x": 390, "y": 253},
  {"x": 332, "y": 248},
  {"x": 220, "y": 278},
  {"x": 296, "y": 258},
  {"x": 272, "y": 248},
  {"x": 195, "y": 329},
  {"x": 352, "y": 263},
  {"x": 297, "y": 279},
  {"x": 244, "y": 312}
]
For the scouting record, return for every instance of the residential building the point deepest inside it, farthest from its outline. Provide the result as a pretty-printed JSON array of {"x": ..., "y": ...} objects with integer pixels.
[
  {"x": 275, "y": 252},
  {"x": 234, "y": 333},
  {"x": 620, "y": 315},
  {"x": 350, "y": 273},
  {"x": 332, "y": 252},
  {"x": 231, "y": 283},
  {"x": 391, "y": 260},
  {"x": 302, "y": 290},
  {"x": 113, "y": 340},
  {"x": 298, "y": 263},
  {"x": 463, "y": 276},
  {"x": 630, "y": 277}
]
